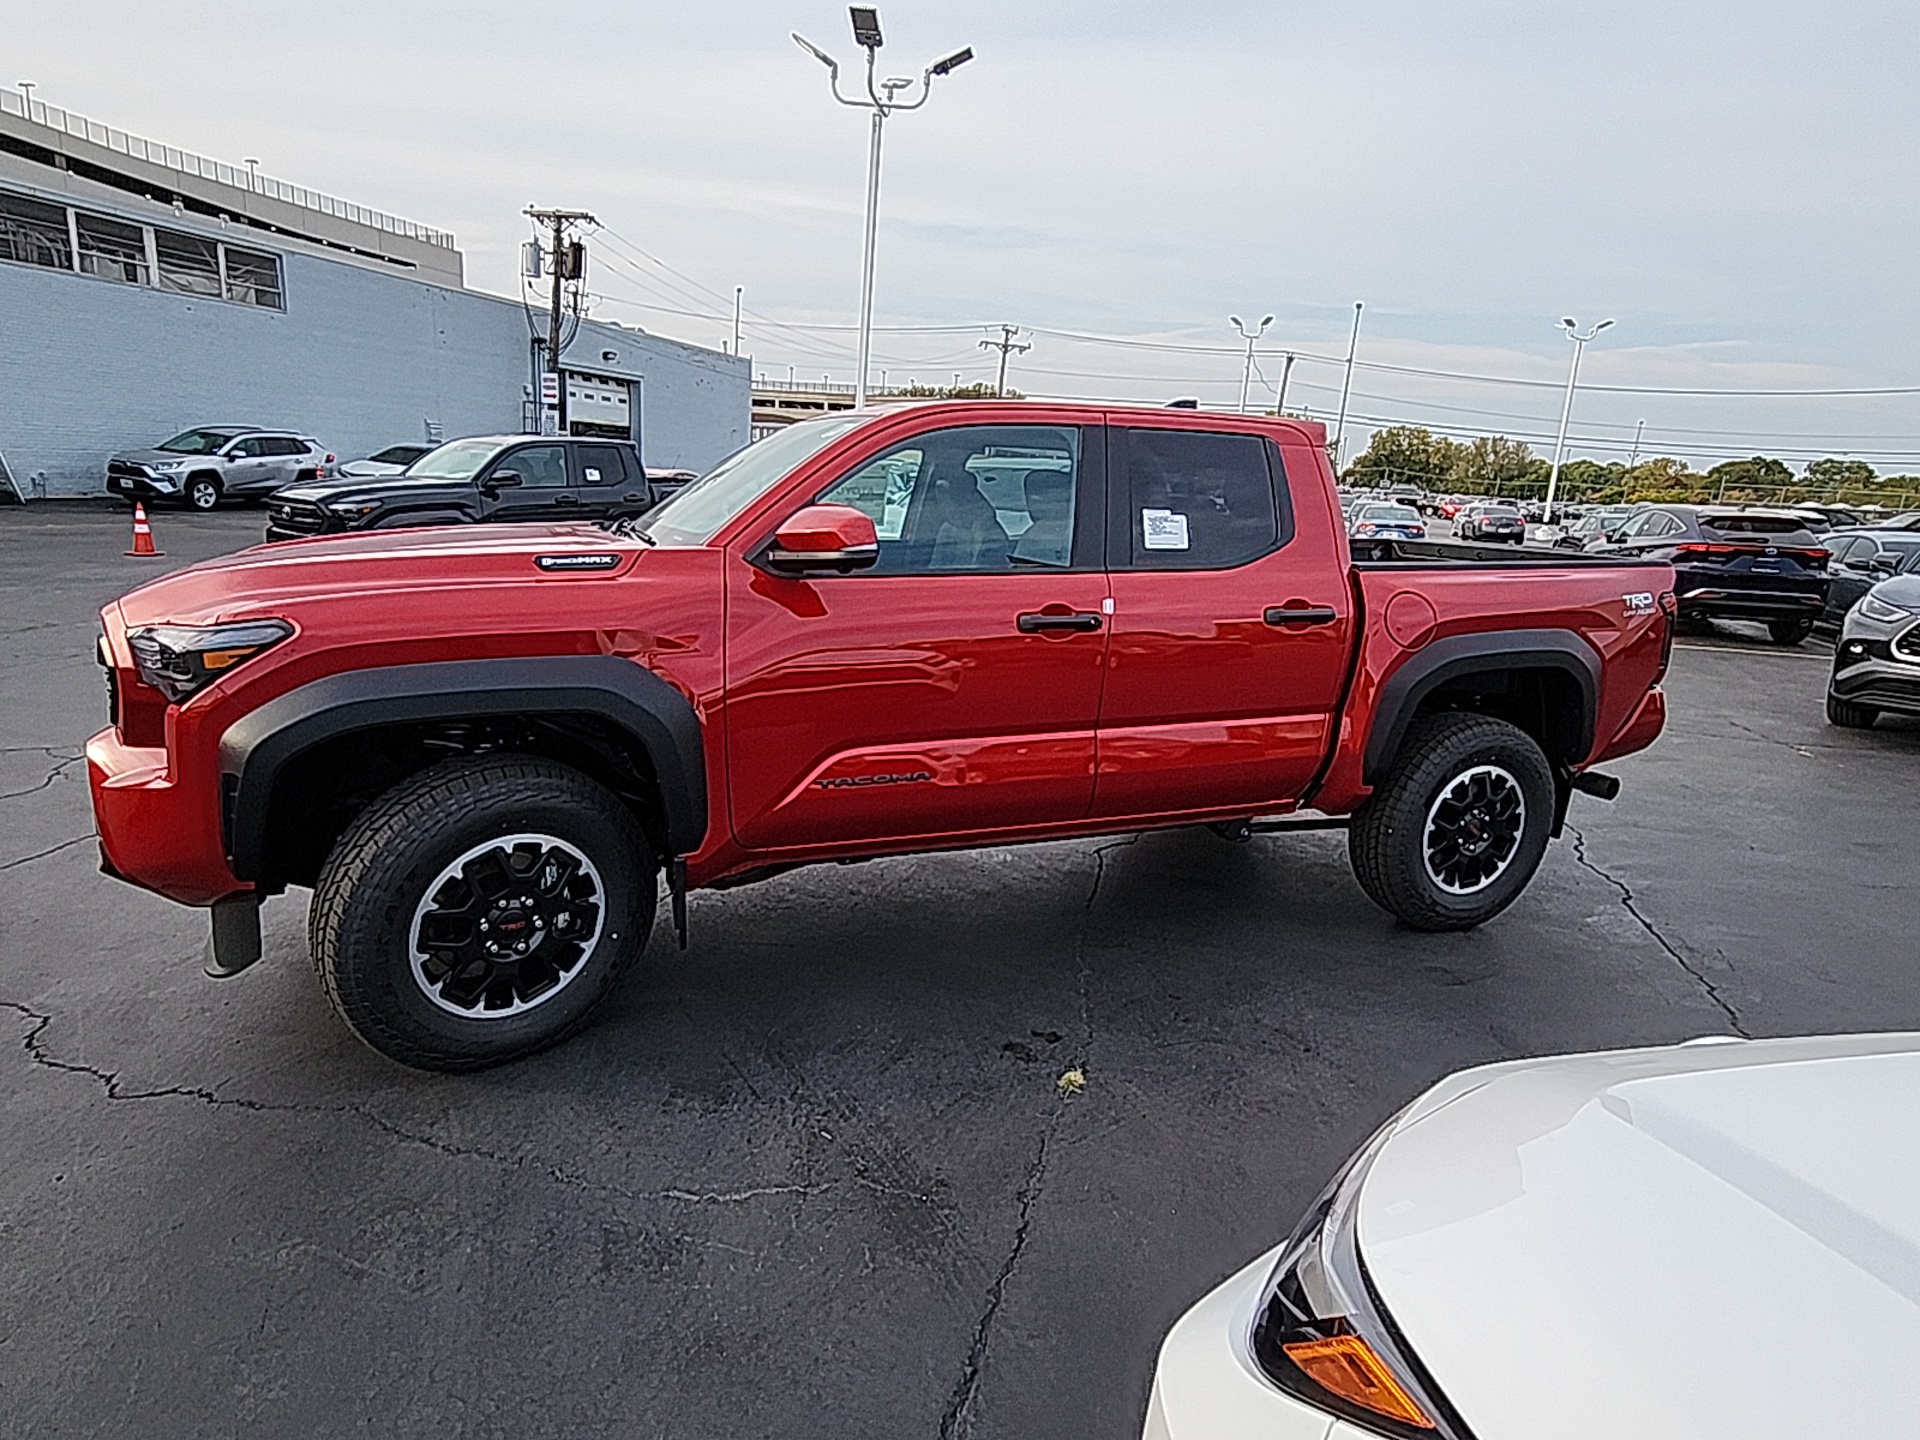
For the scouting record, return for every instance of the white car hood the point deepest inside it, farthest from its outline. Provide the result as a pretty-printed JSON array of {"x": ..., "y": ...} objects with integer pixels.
[{"x": 1712, "y": 1240}]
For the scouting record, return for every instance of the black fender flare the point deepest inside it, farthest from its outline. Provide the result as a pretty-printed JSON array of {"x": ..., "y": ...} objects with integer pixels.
[
  {"x": 258, "y": 746},
  {"x": 1434, "y": 665}
]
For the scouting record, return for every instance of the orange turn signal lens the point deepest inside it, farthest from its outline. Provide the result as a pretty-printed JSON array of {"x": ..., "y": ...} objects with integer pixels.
[{"x": 1345, "y": 1365}]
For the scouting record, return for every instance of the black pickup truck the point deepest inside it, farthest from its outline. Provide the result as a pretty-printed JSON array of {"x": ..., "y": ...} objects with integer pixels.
[{"x": 483, "y": 478}]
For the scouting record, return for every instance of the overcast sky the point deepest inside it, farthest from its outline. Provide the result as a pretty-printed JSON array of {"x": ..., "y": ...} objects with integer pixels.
[{"x": 1735, "y": 184}]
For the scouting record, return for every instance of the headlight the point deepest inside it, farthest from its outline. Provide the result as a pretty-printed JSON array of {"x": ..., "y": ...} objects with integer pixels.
[
  {"x": 168, "y": 465},
  {"x": 354, "y": 511},
  {"x": 1321, "y": 1333},
  {"x": 181, "y": 660},
  {"x": 1872, "y": 607}
]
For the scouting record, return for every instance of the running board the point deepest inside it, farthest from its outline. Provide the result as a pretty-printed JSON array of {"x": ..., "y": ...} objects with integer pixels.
[{"x": 1241, "y": 831}]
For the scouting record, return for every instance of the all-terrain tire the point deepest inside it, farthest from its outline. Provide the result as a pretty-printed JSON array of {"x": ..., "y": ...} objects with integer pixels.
[
  {"x": 1789, "y": 632},
  {"x": 1849, "y": 716},
  {"x": 472, "y": 835},
  {"x": 202, "y": 492},
  {"x": 1460, "y": 781}
]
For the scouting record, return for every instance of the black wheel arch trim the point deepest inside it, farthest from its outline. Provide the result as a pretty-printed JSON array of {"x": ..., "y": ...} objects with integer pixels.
[
  {"x": 258, "y": 746},
  {"x": 1443, "y": 660}
]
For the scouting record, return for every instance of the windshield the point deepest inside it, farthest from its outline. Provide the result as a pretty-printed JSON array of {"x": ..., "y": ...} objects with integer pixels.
[
  {"x": 398, "y": 454},
  {"x": 197, "y": 442},
  {"x": 455, "y": 460},
  {"x": 694, "y": 515}
]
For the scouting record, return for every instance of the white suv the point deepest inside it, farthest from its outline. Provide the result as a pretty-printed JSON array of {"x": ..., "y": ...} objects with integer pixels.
[{"x": 203, "y": 465}]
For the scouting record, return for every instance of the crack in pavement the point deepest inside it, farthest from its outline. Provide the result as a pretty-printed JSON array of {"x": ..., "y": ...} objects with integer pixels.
[
  {"x": 109, "y": 1081},
  {"x": 1632, "y": 904},
  {"x": 50, "y": 850},
  {"x": 67, "y": 762},
  {"x": 967, "y": 1387}
]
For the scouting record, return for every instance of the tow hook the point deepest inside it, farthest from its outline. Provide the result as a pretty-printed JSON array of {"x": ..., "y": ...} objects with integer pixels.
[
  {"x": 235, "y": 941},
  {"x": 1601, "y": 787}
]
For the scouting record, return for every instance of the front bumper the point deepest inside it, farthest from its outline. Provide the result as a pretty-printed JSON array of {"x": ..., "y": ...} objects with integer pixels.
[
  {"x": 1877, "y": 664},
  {"x": 154, "y": 487},
  {"x": 1207, "y": 1387},
  {"x": 156, "y": 832}
]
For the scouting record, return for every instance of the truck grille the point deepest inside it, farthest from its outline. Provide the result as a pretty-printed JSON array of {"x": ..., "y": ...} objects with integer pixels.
[
  {"x": 126, "y": 469},
  {"x": 298, "y": 516}
]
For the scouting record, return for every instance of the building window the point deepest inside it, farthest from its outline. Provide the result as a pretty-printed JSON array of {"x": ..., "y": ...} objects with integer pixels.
[
  {"x": 187, "y": 263},
  {"x": 34, "y": 234},
  {"x": 111, "y": 250},
  {"x": 253, "y": 279}
]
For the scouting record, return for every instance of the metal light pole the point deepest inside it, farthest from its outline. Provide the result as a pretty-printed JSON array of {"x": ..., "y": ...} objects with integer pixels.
[
  {"x": 882, "y": 99},
  {"x": 737, "y": 292},
  {"x": 1346, "y": 389},
  {"x": 1286, "y": 374},
  {"x": 253, "y": 173},
  {"x": 1566, "y": 410},
  {"x": 1250, "y": 336},
  {"x": 1639, "y": 429}
]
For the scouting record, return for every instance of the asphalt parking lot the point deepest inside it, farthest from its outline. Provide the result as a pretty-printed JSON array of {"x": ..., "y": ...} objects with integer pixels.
[{"x": 817, "y": 1175}]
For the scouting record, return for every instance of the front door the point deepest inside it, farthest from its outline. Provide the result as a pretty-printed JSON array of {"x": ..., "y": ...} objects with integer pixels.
[
  {"x": 952, "y": 688},
  {"x": 544, "y": 491},
  {"x": 1231, "y": 624}
]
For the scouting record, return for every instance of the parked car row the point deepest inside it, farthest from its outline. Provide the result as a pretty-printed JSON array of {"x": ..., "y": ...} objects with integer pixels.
[{"x": 478, "y": 478}]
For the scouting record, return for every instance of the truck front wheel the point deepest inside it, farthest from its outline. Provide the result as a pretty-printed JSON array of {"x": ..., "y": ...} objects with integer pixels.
[
  {"x": 480, "y": 910},
  {"x": 1454, "y": 833}
]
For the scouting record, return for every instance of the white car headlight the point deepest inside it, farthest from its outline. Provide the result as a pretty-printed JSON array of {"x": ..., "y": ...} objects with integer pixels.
[
  {"x": 170, "y": 465},
  {"x": 1322, "y": 1335},
  {"x": 1872, "y": 607}
]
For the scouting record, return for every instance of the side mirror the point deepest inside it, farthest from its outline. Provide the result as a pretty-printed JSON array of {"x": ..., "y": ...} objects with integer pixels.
[
  {"x": 824, "y": 537},
  {"x": 1884, "y": 564},
  {"x": 502, "y": 480}
]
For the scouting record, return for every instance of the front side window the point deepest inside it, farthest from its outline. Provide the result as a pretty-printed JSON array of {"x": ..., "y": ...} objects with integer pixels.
[
  {"x": 1201, "y": 501},
  {"x": 976, "y": 498},
  {"x": 540, "y": 467}
]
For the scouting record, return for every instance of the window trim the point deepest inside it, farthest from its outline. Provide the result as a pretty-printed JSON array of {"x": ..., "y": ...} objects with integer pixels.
[
  {"x": 1120, "y": 503},
  {"x": 1088, "y": 555}
]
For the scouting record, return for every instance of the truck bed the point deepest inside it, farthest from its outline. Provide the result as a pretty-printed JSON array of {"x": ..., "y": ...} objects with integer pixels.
[{"x": 1462, "y": 554}]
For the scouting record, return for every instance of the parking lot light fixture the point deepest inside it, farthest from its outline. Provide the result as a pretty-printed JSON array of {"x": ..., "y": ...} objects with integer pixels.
[
  {"x": 1566, "y": 409},
  {"x": 883, "y": 98},
  {"x": 1250, "y": 336}
]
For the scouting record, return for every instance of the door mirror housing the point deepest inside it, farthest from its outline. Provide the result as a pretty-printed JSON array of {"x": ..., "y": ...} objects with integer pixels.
[
  {"x": 502, "y": 480},
  {"x": 1883, "y": 564},
  {"x": 833, "y": 538}
]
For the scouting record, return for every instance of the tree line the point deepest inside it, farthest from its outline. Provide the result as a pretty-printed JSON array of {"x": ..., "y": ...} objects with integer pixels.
[{"x": 1497, "y": 465}]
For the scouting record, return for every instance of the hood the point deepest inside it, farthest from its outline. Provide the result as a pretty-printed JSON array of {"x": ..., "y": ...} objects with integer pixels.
[
  {"x": 1901, "y": 590},
  {"x": 284, "y": 579},
  {"x": 1712, "y": 1240},
  {"x": 361, "y": 489}
]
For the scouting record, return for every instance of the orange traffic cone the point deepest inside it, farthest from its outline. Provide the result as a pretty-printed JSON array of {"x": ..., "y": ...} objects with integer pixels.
[{"x": 142, "y": 532}]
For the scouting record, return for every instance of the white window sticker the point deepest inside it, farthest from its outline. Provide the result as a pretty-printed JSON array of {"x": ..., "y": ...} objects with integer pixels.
[
  {"x": 1163, "y": 530},
  {"x": 593, "y": 475}
]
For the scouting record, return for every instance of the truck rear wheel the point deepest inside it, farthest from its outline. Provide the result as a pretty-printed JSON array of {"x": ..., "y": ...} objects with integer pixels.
[
  {"x": 1454, "y": 833},
  {"x": 480, "y": 910}
]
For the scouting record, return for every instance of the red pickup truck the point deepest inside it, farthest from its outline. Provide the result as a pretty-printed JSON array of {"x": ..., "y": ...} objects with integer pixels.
[{"x": 907, "y": 629}]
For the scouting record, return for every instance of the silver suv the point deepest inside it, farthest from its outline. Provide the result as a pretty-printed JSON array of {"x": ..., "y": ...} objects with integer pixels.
[{"x": 203, "y": 465}]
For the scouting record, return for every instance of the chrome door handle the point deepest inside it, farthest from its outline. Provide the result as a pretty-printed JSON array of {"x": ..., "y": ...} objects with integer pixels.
[
  {"x": 1304, "y": 615},
  {"x": 1038, "y": 622}
]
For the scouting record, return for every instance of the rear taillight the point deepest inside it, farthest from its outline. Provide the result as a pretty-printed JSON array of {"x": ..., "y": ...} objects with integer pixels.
[
  {"x": 1670, "y": 611},
  {"x": 1811, "y": 559},
  {"x": 1714, "y": 552}
]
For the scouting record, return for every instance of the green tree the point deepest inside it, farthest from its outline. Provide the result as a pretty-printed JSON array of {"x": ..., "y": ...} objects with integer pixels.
[
  {"x": 1494, "y": 463},
  {"x": 1404, "y": 455},
  {"x": 1836, "y": 473},
  {"x": 1748, "y": 479},
  {"x": 1662, "y": 478}
]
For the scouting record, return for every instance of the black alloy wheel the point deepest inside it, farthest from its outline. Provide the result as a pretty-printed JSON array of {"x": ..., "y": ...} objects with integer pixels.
[{"x": 1455, "y": 829}]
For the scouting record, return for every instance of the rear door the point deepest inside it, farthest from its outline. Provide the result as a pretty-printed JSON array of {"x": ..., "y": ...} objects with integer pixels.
[
  {"x": 949, "y": 691},
  {"x": 608, "y": 481},
  {"x": 1232, "y": 618}
]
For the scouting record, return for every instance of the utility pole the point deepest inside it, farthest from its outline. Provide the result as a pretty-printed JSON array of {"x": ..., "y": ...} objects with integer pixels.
[
  {"x": 1346, "y": 389},
  {"x": 737, "y": 292},
  {"x": 1286, "y": 373},
  {"x": 568, "y": 264},
  {"x": 1004, "y": 344}
]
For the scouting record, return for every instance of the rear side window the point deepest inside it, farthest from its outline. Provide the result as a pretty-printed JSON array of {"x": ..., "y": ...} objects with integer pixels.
[
  {"x": 1752, "y": 524},
  {"x": 1201, "y": 501},
  {"x": 601, "y": 465}
]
